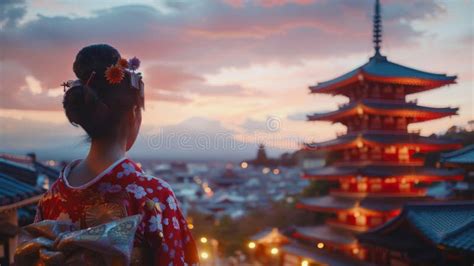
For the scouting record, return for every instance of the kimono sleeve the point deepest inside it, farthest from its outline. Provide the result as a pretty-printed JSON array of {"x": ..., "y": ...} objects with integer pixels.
[{"x": 166, "y": 230}]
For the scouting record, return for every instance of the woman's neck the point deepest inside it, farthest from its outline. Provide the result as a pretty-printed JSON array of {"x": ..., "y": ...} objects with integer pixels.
[{"x": 102, "y": 154}]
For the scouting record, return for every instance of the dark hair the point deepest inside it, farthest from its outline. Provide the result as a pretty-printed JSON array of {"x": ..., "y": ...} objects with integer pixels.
[{"x": 99, "y": 107}]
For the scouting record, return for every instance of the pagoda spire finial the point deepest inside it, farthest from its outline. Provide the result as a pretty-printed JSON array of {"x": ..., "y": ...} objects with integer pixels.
[{"x": 377, "y": 30}]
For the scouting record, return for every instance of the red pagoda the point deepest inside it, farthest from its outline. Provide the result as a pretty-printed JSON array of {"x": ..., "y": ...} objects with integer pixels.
[{"x": 378, "y": 164}]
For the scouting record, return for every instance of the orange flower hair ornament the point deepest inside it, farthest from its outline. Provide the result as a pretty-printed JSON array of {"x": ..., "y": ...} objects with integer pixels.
[{"x": 114, "y": 74}]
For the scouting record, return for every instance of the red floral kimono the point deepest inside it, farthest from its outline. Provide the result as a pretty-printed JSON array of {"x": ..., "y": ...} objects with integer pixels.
[{"x": 120, "y": 191}]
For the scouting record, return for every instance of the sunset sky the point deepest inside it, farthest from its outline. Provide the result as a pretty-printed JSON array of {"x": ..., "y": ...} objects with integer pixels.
[{"x": 221, "y": 76}]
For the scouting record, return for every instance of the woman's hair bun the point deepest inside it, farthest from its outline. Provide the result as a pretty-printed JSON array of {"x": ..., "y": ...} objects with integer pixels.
[
  {"x": 98, "y": 106},
  {"x": 95, "y": 58},
  {"x": 83, "y": 107}
]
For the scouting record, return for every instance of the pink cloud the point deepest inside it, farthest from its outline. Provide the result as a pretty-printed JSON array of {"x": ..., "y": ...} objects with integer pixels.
[
  {"x": 169, "y": 78},
  {"x": 268, "y": 3},
  {"x": 199, "y": 38}
]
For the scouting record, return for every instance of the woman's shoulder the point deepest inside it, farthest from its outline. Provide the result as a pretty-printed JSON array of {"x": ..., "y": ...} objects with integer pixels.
[
  {"x": 52, "y": 193},
  {"x": 142, "y": 184}
]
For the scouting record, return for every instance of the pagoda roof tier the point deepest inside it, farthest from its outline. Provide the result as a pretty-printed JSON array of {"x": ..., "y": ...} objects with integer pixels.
[
  {"x": 448, "y": 225},
  {"x": 381, "y": 70},
  {"x": 371, "y": 139},
  {"x": 377, "y": 171},
  {"x": 270, "y": 236},
  {"x": 327, "y": 234},
  {"x": 335, "y": 204},
  {"x": 388, "y": 108},
  {"x": 464, "y": 156}
]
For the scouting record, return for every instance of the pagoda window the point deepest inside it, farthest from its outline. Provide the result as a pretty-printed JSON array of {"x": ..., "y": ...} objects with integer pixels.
[
  {"x": 349, "y": 125},
  {"x": 357, "y": 92},
  {"x": 347, "y": 155},
  {"x": 404, "y": 186},
  {"x": 365, "y": 122},
  {"x": 360, "y": 219},
  {"x": 401, "y": 123},
  {"x": 363, "y": 153},
  {"x": 400, "y": 92},
  {"x": 342, "y": 216},
  {"x": 388, "y": 120},
  {"x": 387, "y": 89},
  {"x": 362, "y": 187},
  {"x": 376, "y": 123},
  {"x": 391, "y": 150},
  {"x": 366, "y": 92},
  {"x": 345, "y": 186},
  {"x": 376, "y": 153},
  {"x": 376, "y": 187},
  {"x": 376, "y": 92},
  {"x": 403, "y": 154}
]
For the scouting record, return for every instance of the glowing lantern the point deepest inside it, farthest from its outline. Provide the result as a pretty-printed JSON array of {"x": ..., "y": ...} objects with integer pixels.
[
  {"x": 252, "y": 245},
  {"x": 274, "y": 251}
]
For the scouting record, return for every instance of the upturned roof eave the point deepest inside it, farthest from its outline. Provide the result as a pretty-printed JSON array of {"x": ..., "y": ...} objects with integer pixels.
[{"x": 362, "y": 73}]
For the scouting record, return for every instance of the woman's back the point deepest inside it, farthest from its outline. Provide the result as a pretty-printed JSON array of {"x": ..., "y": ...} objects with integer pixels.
[{"x": 123, "y": 190}]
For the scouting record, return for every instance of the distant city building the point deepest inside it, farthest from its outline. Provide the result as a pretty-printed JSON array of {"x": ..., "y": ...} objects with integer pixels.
[
  {"x": 261, "y": 156},
  {"x": 227, "y": 179},
  {"x": 287, "y": 159},
  {"x": 266, "y": 244},
  {"x": 378, "y": 163}
]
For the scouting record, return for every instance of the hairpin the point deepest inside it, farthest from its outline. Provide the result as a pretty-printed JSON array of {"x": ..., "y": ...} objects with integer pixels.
[{"x": 77, "y": 82}]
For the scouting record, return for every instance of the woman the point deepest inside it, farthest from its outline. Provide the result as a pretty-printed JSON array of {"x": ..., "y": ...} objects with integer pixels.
[{"x": 106, "y": 101}]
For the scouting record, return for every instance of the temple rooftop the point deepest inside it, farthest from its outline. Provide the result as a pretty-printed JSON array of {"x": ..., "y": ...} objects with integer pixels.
[
  {"x": 380, "y": 69},
  {"x": 320, "y": 257},
  {"x": 355, "y": 140},
  {"x": 448, "y": 225},
  {"x": 326, "y": 234},
  {"x": 380, "y": 107}
]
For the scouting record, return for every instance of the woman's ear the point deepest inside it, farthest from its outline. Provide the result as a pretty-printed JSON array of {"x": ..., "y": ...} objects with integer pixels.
[{"x": 137, "y": 115}]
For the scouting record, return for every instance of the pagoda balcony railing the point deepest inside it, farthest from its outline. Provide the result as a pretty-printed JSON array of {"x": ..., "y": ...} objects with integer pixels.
[
  {"x": 347, "y": 226},
  {"x": 379, "y": 100},
  {"x": 377, "y": 131},
  {"x": 394, "y": 162},
  {"x": 354, "y": 193}
]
